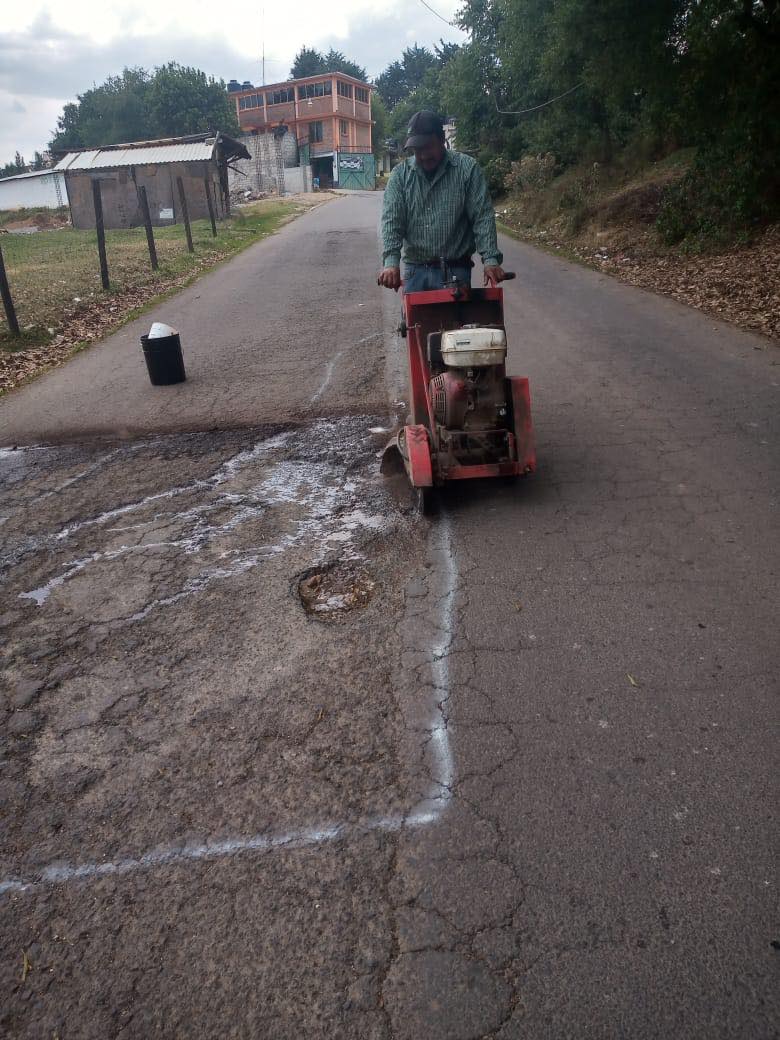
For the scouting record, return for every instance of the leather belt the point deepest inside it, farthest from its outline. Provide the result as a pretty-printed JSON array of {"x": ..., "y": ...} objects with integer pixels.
[{"x": 461, "y": 261}]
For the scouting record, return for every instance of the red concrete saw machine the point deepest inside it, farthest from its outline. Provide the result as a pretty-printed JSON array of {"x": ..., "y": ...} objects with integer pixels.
[{"x": 468, "y": 418}]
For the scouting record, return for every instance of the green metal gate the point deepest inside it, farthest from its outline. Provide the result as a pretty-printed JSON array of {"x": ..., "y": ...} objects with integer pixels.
[
  {"x": 356, "y": 170},
  {"x": 304, "y": 158}
]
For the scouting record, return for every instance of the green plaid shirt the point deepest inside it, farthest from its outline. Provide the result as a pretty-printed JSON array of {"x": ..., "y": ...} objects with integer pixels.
[{"x": 451, "y": 215}]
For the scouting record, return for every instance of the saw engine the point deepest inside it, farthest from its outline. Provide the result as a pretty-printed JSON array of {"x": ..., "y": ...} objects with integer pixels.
[
  {"x": 468, "y": 394},
  {"x": 468, "y": 419}
]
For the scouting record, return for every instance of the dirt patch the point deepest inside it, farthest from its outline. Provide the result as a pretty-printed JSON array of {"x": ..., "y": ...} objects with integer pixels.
[
  {"x": 47, "y": 221},
  {"x": 34, "y": 218}
]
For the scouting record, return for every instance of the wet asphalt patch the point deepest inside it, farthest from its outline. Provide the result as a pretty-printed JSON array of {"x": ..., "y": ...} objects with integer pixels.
[{"x": 165, "y": 683}]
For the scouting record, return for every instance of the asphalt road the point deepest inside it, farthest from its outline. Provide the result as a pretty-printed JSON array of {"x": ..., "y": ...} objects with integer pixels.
[
  {"x": 285, "y": 761},
  {"x": 281, "y": 332}
]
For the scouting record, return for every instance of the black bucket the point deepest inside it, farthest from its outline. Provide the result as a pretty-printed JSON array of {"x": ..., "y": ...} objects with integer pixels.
[{"x": 164, "y": 359}]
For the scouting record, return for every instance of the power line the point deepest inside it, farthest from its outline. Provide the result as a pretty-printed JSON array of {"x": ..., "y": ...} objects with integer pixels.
[
  {"x": 445, "y": 20},
  {"x": 525, "y": 111}
]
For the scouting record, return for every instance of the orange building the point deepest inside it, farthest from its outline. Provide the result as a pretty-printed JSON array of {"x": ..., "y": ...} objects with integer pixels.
[{"x": 330, "y": 116}]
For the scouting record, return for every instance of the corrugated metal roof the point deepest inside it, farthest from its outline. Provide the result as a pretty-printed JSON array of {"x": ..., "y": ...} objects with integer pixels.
[
  {"x": 32, "y": 173},
  {"x": 106, "y": 159}
]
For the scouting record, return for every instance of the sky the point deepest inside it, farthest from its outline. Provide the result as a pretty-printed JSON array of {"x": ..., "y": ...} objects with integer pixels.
[{"x": 49, "y": 53}]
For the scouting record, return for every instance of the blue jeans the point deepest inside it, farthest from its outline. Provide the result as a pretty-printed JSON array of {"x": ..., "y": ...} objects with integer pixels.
[{"x": 421, "y": 278}]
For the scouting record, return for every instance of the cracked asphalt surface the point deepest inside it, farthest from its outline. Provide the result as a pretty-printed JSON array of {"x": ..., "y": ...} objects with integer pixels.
[{"x": 522, "y": 784}]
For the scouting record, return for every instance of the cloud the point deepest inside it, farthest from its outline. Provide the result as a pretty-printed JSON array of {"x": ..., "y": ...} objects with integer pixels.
[
  {"x": 29, "y": 132},
  {"x": 375, "y": 42},
  {"x": 50, "y": 62},
  {"x": 44, "y": 65}
]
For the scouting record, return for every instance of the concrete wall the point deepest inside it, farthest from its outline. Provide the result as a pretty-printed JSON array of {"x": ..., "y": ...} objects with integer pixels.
[
  {"x": 41, "y": 191},
  {"x": 265, "y": 170},
  {"x": 119, "y": 193},
  {"x": 297, "y": 180}
]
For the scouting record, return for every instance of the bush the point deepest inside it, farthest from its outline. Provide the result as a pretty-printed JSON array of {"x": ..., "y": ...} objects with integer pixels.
[
  {"x": 495, "y": 170},
  {"x": 531, "y": 173},
  {"x": 721, "y": 200}
]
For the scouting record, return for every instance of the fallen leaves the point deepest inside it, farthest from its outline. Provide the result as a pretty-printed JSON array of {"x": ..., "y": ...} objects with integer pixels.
[
  {"x": 632, "y": 680},
  {"x": 740, "y": 285}
]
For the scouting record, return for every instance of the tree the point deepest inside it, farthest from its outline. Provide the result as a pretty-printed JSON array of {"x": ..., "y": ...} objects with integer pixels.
[
  {"x": 584, "y": 78},
  {"x": 112, "y": 113},
  {"x": 14, "y": 168},
  {"x": 172, "y": 101},
  {"x": 381, "y": 128},
  {"x": 392, "y": 84},
  {"x": 308, "y": 62},
  {"x": 402, "y": 77},
  {"x": 464, "y": 93},
  {"x": 335, "y": 61},
  {"x": 185, "y": 101},
  {"x": 69, "y": 135}
]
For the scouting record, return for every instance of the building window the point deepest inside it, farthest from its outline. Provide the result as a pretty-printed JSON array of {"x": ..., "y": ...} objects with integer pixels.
[
  {"x": 361, "y": 94},
  {"x": 280, "y": 97},
  {"x": 344, "y": 126},
  {"x": 345, "y": 89},
  {"x": 315, "y": 132},
  {"x": 314, "y": 90},
  {"x": 251, "y": 101}
]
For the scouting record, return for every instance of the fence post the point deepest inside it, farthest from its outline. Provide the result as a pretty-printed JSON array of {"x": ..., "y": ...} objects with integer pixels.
[
  {"x": 185, "y": 214},
  {"x": 8, "y": 303},
  {"x": 210, "y": 205},
  {"x": 148, "y": 225},
  {"x": 101, "y": 234}
]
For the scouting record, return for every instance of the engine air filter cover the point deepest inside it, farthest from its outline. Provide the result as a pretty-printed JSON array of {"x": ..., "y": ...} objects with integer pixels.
[{"x": 473, "y": 347}]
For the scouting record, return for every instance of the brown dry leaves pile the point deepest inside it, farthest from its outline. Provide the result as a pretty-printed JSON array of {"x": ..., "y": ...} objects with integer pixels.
[{"x": 741, "y": 285}]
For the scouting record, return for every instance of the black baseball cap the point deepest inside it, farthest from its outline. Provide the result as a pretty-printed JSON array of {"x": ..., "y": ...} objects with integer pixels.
[{"x": 423, "y": 126}]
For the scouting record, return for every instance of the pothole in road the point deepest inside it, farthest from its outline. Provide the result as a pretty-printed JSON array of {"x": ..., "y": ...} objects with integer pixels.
[{"x": 332, "y": 592}]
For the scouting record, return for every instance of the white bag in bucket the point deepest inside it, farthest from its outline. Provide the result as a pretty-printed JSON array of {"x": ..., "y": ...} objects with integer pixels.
[{"x": 159, "y": 330}]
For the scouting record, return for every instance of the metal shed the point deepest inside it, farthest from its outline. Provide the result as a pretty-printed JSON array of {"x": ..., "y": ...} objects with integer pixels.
[
  {"x": 39, "y": 189},
  {"x": 200, "y": 161}
]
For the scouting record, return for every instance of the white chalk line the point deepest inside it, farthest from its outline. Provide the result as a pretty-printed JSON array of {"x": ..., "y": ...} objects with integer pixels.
[
  {"x": 331, "y": 365},
  {"x": 328, "y": 376},
  {"x": 428, "y": 811}
]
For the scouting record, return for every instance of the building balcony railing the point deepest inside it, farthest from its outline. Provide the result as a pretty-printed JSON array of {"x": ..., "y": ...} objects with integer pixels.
[{"x": 323, "y": 148}]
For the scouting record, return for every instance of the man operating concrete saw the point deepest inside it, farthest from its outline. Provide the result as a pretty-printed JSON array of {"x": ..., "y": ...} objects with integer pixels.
[{"x": 436, "y": 205}]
